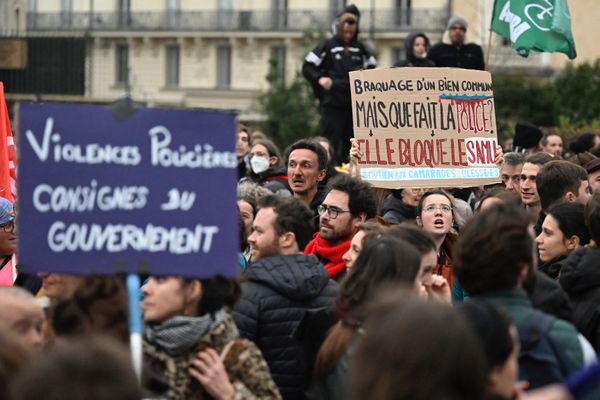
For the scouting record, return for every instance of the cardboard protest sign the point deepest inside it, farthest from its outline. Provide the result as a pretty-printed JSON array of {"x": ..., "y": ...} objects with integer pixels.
[
  {"x": 425, "y": 127},
  {"x": 154, "y": 193}
]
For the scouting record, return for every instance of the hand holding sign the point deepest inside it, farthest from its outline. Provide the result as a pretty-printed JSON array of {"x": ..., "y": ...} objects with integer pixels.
[{"x": 425, "y": 127}]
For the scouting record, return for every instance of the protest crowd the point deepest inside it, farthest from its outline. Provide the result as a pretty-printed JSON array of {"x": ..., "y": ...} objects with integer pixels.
[{"x": 344, "y": 290}]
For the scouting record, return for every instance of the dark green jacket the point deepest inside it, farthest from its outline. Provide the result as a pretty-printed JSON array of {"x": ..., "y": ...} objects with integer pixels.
[{"x": 518, "y": 305}]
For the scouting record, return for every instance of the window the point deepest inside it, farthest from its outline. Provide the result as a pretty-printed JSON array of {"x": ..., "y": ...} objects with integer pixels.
[
  {"x": 280, "y": 10},
  {"x": 173, "y": 13},
  {"x": 67, "y": 11},
  {"x": 403, "y": 12},
  {"x": 278, "y": 59},
  {"x": 122, "y": 65},
  {"x": 172, "y": 67},
  {"x": 335, "y": 7},
  {"x": 223, "y": 67},
  {"x": 398, "y": 54},
  {"x": 124, "y": 8}
]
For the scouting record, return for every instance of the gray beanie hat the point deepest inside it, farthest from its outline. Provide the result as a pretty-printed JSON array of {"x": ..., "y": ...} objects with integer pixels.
[{"x": 457, "y": 20}]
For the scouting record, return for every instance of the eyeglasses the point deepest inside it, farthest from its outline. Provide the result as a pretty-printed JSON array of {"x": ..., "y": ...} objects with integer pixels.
[
  {"x": 350, "y": 21},
  {"x": 444, "y": 208},
  {"x": 332, "y": 212},
  {"x": 8, "y": 227}
]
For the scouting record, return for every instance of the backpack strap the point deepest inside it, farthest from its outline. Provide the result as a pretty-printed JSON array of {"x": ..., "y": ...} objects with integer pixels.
[{"x": 538, "y": 324}]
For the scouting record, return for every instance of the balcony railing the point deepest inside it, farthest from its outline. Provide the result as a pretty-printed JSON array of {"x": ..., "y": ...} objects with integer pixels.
[{"x": 391, "y": 20}]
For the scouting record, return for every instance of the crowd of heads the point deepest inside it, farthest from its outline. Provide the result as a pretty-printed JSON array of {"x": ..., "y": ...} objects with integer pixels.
[{"x": 344, "y": 289}]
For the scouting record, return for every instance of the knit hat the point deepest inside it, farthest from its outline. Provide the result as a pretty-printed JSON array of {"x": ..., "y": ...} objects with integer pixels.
[
  {"x": 6, "y": 211},
  {"x": 457, "y": 20},
  {"x": 350, "y": 12},
  {"x": 526, "y": 136}
]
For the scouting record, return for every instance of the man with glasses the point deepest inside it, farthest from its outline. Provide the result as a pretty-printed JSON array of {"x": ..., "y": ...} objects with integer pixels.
[
  {"x": 327, "y": 68},
  {"x": 279, "y": 287},
  {"x": 8, "y": 243},
  {"x": 348, "y": 204},
  {"x": 453, "y": 51}
]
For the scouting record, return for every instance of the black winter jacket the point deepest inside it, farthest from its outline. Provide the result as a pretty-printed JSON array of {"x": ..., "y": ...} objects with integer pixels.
[
  {"x": 580, "y": 278},
  {"x": 334, "y": 59},
  {"x": 468, "y": 56},
  {"x": 395, "y": 211},
  {"x": 276, "y": 292}
]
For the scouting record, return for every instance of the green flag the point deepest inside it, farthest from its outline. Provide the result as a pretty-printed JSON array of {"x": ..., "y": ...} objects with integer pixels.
[{"x": 540, "y": 25}]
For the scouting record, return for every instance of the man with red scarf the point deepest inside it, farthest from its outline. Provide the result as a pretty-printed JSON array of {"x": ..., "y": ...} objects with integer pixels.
[{"x": 349, "y": 203}]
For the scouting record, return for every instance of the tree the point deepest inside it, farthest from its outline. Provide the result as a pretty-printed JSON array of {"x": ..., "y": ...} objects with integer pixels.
[
  {"x": 290, "y": 109},
  {"x": 577, "y": 100},
  {"x": 517, "y": 99}
]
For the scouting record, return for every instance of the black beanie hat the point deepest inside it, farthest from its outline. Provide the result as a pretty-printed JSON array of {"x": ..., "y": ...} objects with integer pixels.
[
  {"x": 526, "y": 136},
  {"x": 349, "y": 11}
]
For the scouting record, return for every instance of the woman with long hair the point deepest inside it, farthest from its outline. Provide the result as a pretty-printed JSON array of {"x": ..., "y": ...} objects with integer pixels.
[{"x": 383, "y": 262}]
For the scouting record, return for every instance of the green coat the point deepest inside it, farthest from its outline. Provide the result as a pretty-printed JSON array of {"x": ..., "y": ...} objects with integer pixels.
[{"x": 518, "y": 305}]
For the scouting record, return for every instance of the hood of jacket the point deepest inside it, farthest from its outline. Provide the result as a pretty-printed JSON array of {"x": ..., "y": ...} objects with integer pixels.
[
  {"x": 298, "y": 277},
  {"x": 408, "y": 47},
  {"x": 580, "y": 271},
  {"x": 392, "y": 203}
]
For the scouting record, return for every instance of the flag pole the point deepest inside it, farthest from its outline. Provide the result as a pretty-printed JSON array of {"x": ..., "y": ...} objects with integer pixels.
[
  {"x": 135, "y": 323},
  {"x": 488, "y": 50}
]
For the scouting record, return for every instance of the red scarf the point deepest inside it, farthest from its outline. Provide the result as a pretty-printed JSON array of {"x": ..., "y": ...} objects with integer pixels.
[{"x": 326, "y": 251}]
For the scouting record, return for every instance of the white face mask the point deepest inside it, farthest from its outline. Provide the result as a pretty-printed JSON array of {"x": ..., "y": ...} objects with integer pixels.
[{"x": 259, "y": 164}]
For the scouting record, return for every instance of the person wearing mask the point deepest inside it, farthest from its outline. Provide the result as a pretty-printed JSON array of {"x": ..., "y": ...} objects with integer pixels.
[
  {"x": 416, "y": 47},
  {"x": 266, "y": 167}
]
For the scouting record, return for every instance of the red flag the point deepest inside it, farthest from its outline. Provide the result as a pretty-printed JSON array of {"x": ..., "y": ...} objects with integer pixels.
[{"x": 8, "y": 159}]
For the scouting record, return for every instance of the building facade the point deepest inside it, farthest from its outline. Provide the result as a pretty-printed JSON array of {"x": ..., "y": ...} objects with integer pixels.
[
  {"x": 217, "y": 53},
  {"x": 209, "y": 53}
]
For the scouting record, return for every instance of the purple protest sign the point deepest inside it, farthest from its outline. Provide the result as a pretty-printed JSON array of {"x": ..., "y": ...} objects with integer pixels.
[{"x": 154, "y": 193}]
